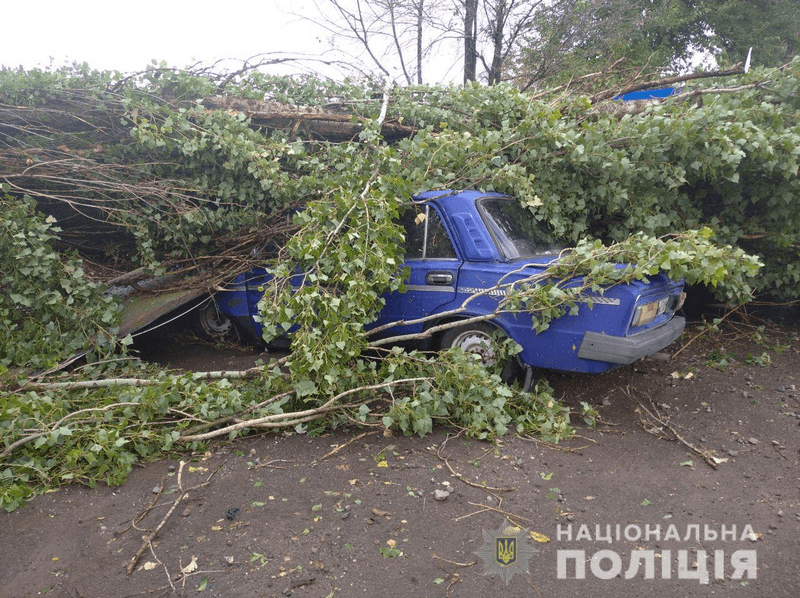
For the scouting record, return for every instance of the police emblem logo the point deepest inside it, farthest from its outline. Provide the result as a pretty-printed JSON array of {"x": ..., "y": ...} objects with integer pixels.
[{"x": 506, "y": 551}]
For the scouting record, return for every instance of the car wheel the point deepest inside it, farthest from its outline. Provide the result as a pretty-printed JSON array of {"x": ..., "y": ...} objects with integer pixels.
[
  {"x": 480, "y": 339},
  {"x": 208, "y": 323}
]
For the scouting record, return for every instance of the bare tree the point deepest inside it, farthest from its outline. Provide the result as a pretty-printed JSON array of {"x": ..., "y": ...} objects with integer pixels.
[
  {"x": 506, "y": 22},
  {"x": 402, "y": 38},
  {"x": 398, "y": 36}
]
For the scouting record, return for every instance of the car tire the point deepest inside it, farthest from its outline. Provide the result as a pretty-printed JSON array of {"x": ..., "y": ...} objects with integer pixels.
[
  {"x": 480, "y": 339},
  {"x": 210, "y": 324}
]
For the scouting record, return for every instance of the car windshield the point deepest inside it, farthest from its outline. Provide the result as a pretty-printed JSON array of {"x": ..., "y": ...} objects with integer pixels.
[{"x": 516, "y": 232}]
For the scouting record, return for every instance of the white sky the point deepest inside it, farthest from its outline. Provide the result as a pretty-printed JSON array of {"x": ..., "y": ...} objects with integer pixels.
[{"x": 126, "y": 36}]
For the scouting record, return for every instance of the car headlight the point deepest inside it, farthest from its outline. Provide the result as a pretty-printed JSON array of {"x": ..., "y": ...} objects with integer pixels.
[{"x": 647, "y": 312}]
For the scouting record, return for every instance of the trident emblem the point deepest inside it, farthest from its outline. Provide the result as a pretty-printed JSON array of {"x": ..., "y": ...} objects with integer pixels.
[{"x": 506, "y": 550}]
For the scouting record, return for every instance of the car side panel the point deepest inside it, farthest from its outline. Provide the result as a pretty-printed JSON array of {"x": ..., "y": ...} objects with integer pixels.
[{"x": 608, "y": 316}]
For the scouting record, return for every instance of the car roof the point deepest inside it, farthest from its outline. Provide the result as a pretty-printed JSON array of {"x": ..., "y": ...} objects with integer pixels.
[{"x": 449, "y": 195}]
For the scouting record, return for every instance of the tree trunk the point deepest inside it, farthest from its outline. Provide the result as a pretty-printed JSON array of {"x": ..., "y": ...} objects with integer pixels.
[
  {"x": 497, "y": 28},
  {"x": 470, "y": 39},
  {"x": 420, "y": 17}
]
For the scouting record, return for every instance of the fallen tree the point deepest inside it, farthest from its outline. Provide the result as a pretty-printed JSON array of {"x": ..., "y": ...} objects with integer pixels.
[
  {"x": 144, "y": 175},
  {"x": 169, "y": 169}
]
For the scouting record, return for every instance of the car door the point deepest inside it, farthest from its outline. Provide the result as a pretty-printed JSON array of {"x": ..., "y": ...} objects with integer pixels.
[{"x": 433, "y": 271}]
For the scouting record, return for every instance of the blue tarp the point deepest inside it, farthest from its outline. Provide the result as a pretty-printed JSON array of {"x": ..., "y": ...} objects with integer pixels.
[{"x": 648, "y": 94}]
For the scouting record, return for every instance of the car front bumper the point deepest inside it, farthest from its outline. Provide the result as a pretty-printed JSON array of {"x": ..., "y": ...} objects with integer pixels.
[{"x": 625, "y": 350}]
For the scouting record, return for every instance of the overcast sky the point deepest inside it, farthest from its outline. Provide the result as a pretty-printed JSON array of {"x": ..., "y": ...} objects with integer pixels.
[{"x": 126, "y": 36}]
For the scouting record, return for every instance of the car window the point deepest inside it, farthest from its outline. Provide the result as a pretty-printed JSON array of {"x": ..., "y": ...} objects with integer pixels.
[
  {"x": 515, "y": 230},
  {"x": 419, "y": 220}
]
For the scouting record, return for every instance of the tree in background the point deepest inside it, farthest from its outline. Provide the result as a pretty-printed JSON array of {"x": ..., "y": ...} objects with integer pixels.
[
  {"x": 537, "y": 44},
  {"x": 408, "y": 41},
  {"x": 770, "y": 27},
  {"x": 398, "y": 36},
  {"x": 625, "y": 38},
  {"x": 506, "y": 22},
  {"x": 578, "y": 37}
]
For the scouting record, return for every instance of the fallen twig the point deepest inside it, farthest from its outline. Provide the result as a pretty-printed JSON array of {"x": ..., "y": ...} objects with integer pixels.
[
  {"x": 436, "y": 556},
  {"x": 341, "y": 446},
  {"x": 533, "y": 586},
  {"x": 270, "y": 464},
  {"x": 706, "y": 456},
  {"x": 456, "y": 579},
  {"x": 238, "y": 416},
  {"x": 511, "y": 516},
  {"x": 149, "y": 538},
  {"x": 463, "y": 478},
  {"x": 778, "y": 450},
  {"x": 702, "y": 332},
  {"x": 147, "y": 509},
  {"x": 153, "y": 552},
  {"x": 299, "y": 583},
  {"x": 555, "y": 447},
  {"x": 109, "y": 382}
]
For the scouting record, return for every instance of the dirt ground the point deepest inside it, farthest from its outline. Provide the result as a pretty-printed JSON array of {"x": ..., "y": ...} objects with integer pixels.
[{"x": 628, "y": 508}]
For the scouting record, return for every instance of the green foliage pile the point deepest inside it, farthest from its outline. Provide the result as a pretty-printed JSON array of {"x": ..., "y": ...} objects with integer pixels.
[
  {"x": 35, "y": 280},
  {"x": 175, "y": 179},
  {"x": 726, "y": 160},
  {"x": 177, "y": 182},
  {"x": 95, "y": 430}
]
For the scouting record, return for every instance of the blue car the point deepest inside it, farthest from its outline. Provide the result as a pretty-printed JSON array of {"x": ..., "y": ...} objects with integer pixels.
[{"x": 462, "y": 249}]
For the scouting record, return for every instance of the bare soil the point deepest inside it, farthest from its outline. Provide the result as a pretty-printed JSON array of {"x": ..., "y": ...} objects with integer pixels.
[{"x": 355, "y": 513}]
